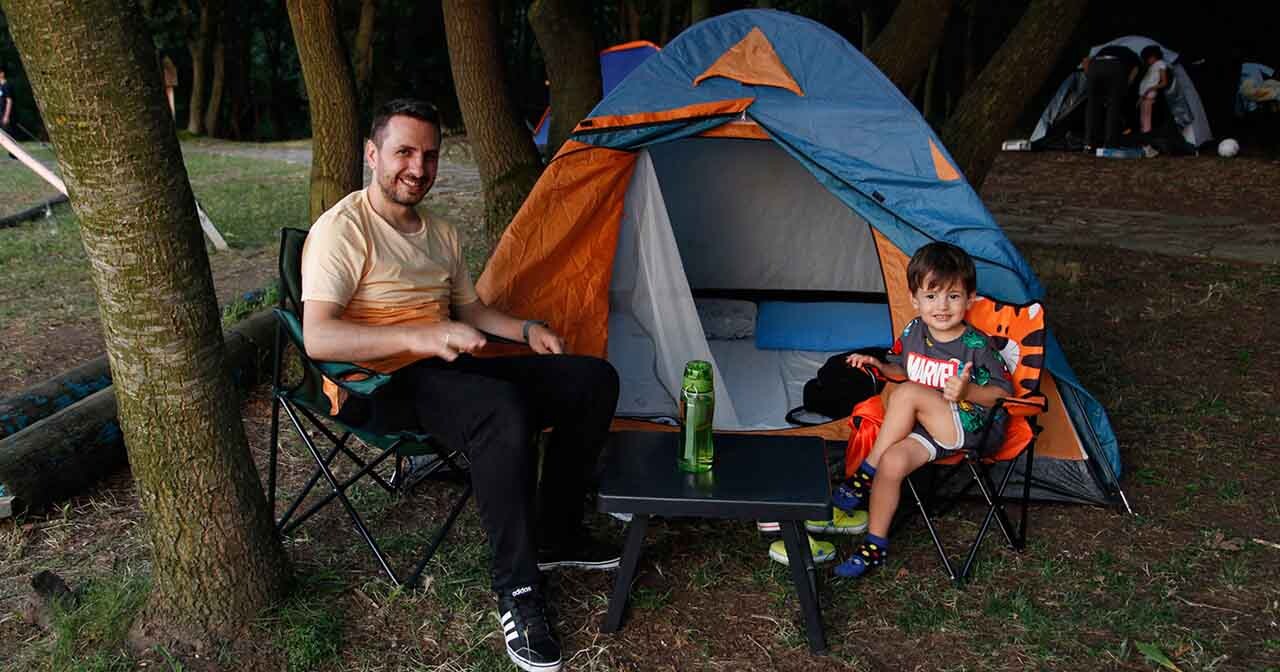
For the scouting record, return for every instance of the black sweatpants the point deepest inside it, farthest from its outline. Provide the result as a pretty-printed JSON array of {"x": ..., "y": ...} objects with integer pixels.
[{"x": 491, "y": 409}]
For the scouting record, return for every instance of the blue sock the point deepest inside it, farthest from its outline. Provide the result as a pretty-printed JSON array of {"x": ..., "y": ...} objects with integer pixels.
[
  {"x": 867, "y": 469},
  {"x": 878, "y": 541}
]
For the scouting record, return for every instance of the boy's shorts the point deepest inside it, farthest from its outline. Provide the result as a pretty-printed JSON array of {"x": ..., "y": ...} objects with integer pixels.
[{"x": 964, "y": 440}]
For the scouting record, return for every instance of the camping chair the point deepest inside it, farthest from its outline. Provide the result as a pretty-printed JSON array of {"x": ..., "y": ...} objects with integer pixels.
[
  {"x": 306, "y": 400},
  {"x": 1019, "y": 332}
]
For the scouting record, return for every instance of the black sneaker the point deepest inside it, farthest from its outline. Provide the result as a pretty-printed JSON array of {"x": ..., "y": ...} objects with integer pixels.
[
  {"x": 585, "y": 552},
  {"x": 531, "y": 643}
]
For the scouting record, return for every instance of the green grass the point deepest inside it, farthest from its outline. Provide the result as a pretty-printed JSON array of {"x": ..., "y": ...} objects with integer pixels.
[
  {"x": 45, "y": 268},
  {"x": 20, "y": 188},
  {"x": 307, "y": 628},
  {"x": 91, "y": 636}
]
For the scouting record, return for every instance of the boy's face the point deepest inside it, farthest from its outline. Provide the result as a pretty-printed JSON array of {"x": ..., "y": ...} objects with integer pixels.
[{"x": 942, "y": 308}]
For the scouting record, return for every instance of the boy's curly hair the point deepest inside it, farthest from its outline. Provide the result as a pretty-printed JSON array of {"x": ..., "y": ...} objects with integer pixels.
[{"x": 941, "y": 265}]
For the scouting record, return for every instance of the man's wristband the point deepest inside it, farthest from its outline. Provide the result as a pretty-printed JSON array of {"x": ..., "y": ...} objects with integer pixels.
[{"x": 530, "y": 323}]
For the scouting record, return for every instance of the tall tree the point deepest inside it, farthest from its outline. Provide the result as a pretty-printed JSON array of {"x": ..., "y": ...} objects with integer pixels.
[
  {"x": 699, "y": 10},
  {"x": 336, "y": 168},
  {"x": 563, "y": 29},
  {"x": 504, "y": 150},
  {"x": 220, "y": 19},
  {"x": 362, "y": 47},
  {"x": 903, "y": 49},
  {"x": 199, "y": 24},
  {"x": 989, "y": 108},
  {"x": 215, "y": 558}
]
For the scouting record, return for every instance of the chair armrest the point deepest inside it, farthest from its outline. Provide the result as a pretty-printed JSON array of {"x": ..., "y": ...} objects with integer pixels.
[
  {"x": 1024, "y": 406},
  {"x": 351, "y": 377}
]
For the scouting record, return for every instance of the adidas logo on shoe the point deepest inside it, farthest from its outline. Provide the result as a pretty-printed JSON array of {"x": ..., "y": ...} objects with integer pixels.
[{"x": 531, "y": 643}]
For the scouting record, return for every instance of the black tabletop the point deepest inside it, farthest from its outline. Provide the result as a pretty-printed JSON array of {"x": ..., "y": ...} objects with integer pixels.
[{"x": 754, "y": 477}]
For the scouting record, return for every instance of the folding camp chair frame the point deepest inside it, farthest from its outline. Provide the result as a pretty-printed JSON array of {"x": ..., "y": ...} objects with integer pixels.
[
  {"x": 979, "y": 469},
  {"x": 400, "y": 445}
]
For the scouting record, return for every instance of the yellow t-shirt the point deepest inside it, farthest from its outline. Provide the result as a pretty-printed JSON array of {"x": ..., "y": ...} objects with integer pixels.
[{"x": 380, "y": 276}]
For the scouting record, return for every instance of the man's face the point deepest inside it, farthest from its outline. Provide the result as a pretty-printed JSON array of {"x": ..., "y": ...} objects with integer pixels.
[{"x": 404, "y": 165}]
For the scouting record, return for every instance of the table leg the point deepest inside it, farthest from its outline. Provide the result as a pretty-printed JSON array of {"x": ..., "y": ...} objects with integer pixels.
[
  {"x": 803, "y": 575},
  {"x": 626, "y": 572}
]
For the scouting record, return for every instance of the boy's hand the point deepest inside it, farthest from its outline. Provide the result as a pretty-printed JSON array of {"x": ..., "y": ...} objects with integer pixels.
[
  {"x": 859, "y": 361},
  {"x": 955, "y": 387}
]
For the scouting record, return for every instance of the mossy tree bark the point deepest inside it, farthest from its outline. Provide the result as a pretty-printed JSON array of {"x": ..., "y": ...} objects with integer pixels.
[
  {"x": 505, "y": 155},
  {"x": 216, "y": 560},
  {"x": 914, "y": 33},
  {"x": 990, "y": 108},
  {"x": 336, "y": 169},
  {"x": 563, "y": 29}
]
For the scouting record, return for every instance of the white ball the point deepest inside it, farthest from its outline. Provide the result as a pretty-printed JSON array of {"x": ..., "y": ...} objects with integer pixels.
[{"x": 1228, "y": 148}]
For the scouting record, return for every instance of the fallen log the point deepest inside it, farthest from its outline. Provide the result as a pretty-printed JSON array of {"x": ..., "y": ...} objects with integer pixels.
[
  {"x": 38, "y": 210},
  {"x": 61, "y": 455},
  {"x": 40, "y": 401}
]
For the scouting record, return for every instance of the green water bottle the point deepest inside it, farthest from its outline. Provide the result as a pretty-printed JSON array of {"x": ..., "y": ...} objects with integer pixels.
[{"x": 697, "y": 408}]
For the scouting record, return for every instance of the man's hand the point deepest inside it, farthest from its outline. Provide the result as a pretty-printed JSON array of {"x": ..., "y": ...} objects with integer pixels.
[
  {"x": 544, "y": 341},
  {"x": 447, "y": 340},
  {"x": 955, "y": 387}
]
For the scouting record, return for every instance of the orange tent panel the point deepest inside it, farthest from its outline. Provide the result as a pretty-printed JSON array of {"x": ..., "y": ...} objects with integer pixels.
[
  {"x": 752, "y": 61},
  {"x": 549, "y": 257}
]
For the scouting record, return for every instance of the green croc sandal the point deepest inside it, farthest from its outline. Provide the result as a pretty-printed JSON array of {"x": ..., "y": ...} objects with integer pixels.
[
  {"x": 823, "y": 551},
  {"x": 840, "y": 523}
]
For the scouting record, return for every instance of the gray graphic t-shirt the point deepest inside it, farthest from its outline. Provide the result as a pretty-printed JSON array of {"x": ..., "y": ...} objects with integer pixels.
[{"x": 930, "y": 362}]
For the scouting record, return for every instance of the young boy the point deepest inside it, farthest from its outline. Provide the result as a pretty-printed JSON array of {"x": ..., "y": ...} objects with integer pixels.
[
  {"x": 1155, "y": 79},
  {"x": 955, "y": 377}
]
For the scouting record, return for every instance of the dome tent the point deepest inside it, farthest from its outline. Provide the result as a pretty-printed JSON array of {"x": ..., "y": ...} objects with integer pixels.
[{"x": 760, "y": 157}]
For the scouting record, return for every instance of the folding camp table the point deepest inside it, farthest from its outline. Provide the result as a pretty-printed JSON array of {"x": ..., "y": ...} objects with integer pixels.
[{"x": 782, "y": 478}]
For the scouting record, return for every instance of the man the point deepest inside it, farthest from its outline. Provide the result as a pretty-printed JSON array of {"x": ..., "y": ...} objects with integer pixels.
[
  {"x": 385, "y": 284},
  {"x": 6, "y": 103},
  {"x": 1107, "y": 77}
]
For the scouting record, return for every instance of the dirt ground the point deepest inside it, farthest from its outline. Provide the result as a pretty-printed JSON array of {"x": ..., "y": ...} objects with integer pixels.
[{"x": 1179, "y": 349}]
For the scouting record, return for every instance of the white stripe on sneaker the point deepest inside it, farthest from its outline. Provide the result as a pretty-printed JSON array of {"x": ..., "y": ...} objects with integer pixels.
[{"x": 512, "y": 635}]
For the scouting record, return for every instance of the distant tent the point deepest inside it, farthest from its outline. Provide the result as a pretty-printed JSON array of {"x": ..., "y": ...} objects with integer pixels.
[
  {"x": 1250, "y": 91},
  {"x": 1065, "y": 111},
  {"x": 760, "y": 177},
  {"x": 616, "y": 63}
]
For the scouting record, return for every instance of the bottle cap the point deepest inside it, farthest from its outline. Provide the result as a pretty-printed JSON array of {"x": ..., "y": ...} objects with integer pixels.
[{"x": 697, "y": 376}]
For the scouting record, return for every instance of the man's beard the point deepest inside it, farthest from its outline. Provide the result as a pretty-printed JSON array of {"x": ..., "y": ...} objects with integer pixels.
[{"x": 390, "y": 188}]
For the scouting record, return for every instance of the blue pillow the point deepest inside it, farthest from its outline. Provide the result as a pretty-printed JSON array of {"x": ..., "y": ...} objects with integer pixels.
[{"x": 822, "y": 326}]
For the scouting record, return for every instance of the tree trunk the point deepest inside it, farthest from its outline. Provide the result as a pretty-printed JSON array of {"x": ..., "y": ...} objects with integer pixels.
[
  {"x": 335, "y": 135},
  {"x": 914, "y": 32},
  {"x": 971, "y": 46},
  {"x": 198, "y": 45},
  {"x": 214, "y": 109},
  {"x": 989, "y": 108},
  {"x": 931, "y": 97},
  {"x": 664, "y": 30},
  {"x": 870, "y": 26},
  {"x": 507, "y": 160},
  {"x": 362, "y": 47},
  {"x": 563, "y": 31},
  {"x": 216, "y": 562},
  {"x": 699, "y": 10}
]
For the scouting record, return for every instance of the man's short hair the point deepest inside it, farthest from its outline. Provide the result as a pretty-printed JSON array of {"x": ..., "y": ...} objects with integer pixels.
[
  {"x": 941, "y": 265},
  {"x": 1152, "y": 51},
  {"x": 407, "y": 107}
]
